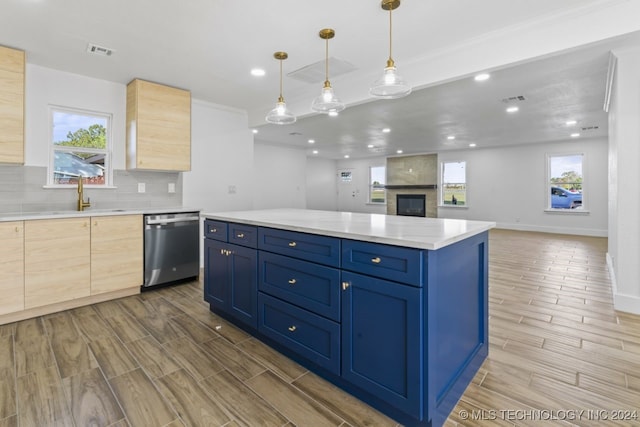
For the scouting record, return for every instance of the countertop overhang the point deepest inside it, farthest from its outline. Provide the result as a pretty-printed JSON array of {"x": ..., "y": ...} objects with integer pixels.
[
  {"x": 24, "y": 216},
  {"x": 414, "y": 232}
]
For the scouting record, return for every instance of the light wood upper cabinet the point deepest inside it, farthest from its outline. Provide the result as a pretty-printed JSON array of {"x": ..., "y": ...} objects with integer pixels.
[
  {"x": 12, "y": 63},
  {"x": 57, "y": 260},
  {"x": 116, "y": 253},
  {"x": 158, "y": 127},
  {"x": 11, "y": 267}
]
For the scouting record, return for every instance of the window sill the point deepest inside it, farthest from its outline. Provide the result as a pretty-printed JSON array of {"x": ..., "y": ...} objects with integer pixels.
[
  {"x": 375, "y": 204},
  {"x": 453, "y": 206},
  {"x": 86, "y": 186},
  {"x": 567, "y": 211}
]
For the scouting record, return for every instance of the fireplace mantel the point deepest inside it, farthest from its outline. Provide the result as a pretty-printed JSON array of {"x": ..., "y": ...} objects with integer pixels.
[{"x": 411, "y": 187}]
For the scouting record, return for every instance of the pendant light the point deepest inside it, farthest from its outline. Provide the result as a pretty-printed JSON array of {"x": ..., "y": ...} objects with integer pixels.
[
  {"x": 390, "y": 85},
  {"x": 280, "y": 115},
  {"x": 327, "y": 102}
]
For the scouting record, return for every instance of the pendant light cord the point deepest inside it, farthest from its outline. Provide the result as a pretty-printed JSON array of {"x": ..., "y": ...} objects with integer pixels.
[
  {"x": 390, "y": 35},
  {"x": 281, "y": 99},
  {"x": 326, "y": 62}
]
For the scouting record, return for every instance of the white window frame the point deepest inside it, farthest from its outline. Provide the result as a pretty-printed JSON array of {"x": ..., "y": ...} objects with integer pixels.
[
  {"x": 583, "y": 210},
  {"x": 441, "y": 203},
  {"x": 108, "y": 151},
  {"x": 370, "y": 185}
]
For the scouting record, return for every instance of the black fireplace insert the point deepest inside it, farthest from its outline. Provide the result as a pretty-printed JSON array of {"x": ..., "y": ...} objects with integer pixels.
[{"x": 410, "y": 205}]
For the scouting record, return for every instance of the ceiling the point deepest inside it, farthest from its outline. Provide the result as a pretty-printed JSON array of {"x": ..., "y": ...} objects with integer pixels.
[{"x": 209, "y": 47}]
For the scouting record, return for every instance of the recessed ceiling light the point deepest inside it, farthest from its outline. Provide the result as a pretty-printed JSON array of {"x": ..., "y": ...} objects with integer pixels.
[
  {"x": 512, "y": 109},
  {"x": 482, "y": 77},
  {"x": 472, "y": 145},
  {"x": 255, "y": 130},
  {"x": 257, "y": 72},
  {"x": 346, "y": 156},
  {"x": 571, "y": 122},
  {"x": 333, "y": 113},
  {"x": 399, "y": 151},
  {"x": 315, "y": 151},
  {"x": 312, "y": 141},
  {"x": 386, "y": 130},
  {"x": 370, "y": 146},
  {"x": 451, "y": 137},
  {"x": 575, "y": 135}
]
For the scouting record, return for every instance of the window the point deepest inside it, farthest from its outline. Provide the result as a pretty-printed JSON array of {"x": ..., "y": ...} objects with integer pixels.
[
  {"x": 80, "y": 147},
  {"x": 565, "y": 181},
  {"x": 454, "y": 184},
  {"x": 377, "y": 180}
]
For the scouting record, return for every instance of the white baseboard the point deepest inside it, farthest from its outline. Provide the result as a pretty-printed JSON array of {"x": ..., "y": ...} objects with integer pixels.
[
  {"x": 621, "y": 302},
  {"x": 555, "y": 230}
]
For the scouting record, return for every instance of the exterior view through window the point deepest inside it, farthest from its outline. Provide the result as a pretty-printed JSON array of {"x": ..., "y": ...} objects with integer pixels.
[
  {"x": 454, "y": 184},
  {"x": 377, "y": 180},
  {"x": 565, "y": 181},
  {"x": 80, "y": 147}
]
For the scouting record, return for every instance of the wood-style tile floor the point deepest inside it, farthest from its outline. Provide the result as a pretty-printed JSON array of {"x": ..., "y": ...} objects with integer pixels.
[{"x": 163, "y": 359}]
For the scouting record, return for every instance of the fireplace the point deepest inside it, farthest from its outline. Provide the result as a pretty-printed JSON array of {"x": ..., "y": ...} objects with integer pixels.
[{"x": 410, "y": 205}]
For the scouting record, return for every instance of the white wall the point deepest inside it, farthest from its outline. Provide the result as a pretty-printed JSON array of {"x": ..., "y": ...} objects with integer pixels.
[
  {"x": 280, "y": 175},
  {"x": 509, "y": 186},
  {"x": 360, "y": 183},
  {"x": 221, "y": 176},
  {"x": 624, "y": 176},
  {"x": 45, "y": 86},
  {"x": 321, "y": 184}
]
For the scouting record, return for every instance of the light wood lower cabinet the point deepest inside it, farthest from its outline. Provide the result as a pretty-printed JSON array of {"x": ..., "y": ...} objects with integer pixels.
[
  {"x": 57, "y": 260},
  {"x": 11, "y": 267},
  {"x": 116, "y": 253}
]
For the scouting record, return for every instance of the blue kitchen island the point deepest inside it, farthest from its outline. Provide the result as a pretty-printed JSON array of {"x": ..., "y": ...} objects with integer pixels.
[{"x": 391, "y": 309}]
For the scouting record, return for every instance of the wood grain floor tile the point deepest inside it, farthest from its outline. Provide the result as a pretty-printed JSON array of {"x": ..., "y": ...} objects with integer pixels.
[
  {"x": 92, "y": 402},
  {"x": 276, "y": 362},
  {"x": 163, "y": 307},
  {"x": 154, "y": 358},
  {"x": 160, "y": 327},
  {"x": 109, "y": 309},
  {"x": 126, "y": 327},
  {"x": 347, "y": 407},
  {"x": 193, "y": 329},
  {"x": 142, "y": 403},
  {"x": 42, "y": 399},
  {"x": 7, "y": 378},
  {"x": 233, "y": 358},
  {"x": 247, "y": 408},
  {"x": 7, "y": 329},
  {"x": 71, "y": 352},
  {"x": 11, "y": 421},
  {"x": 299, "y": 408},
  {"x": 32, "y": 348},
  {"x": 191, "y": 401},
  {"x": 197, "y": 361},
  {"x": 112, "y": 356},
  {"x": 90, "y": 325}
]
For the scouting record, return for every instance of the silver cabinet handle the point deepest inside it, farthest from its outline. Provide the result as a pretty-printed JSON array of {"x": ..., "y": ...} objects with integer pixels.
[
  {"x": 376, "y": 260},
  {"x": 293, "y": 244},
  {"x": 292, "y": 328},
  {"x": 292, "y": 281},
  {"x": 345, "y": 285},
  {"x": 240, "y": 235}
]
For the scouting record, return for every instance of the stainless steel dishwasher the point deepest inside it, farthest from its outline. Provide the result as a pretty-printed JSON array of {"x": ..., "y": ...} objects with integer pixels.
[{"x": 171, "y": 248}]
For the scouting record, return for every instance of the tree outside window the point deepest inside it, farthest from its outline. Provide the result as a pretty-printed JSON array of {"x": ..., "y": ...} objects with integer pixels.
[
  {"x": 454, "y": 184},
  {"x": 80, "y": 147},
  {"x": 377, "y": 180},
  {"x": 566, "y": 185}
]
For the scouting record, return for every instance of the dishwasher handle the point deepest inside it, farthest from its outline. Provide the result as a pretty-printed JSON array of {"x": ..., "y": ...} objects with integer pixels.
[{"x": 172, "y": 220}]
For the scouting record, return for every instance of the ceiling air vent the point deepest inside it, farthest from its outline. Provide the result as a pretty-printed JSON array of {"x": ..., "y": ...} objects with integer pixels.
[
  {"x": 590, "y": 128},
  {"x": 315, "y": 72},
  {"x": 512, "y": 99},
  {"x": 99, "y": 50}
]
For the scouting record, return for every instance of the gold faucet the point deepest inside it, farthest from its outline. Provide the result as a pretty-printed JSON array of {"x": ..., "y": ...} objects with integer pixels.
[{"x": 81, "y": 203}]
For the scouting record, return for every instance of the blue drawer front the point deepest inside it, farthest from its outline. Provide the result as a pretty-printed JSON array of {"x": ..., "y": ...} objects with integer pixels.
[
  {"x": 215, "y": 230},
  {"x": 310, "y": 247},
  {"x": 403, "y": 265},
  {"x": 311, "y": 286},
  {"x": 245, "y": 235},
  {"x": 309, "y": 335}
]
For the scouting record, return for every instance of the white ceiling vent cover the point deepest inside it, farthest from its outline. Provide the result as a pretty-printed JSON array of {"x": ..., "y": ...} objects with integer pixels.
[
  {"x": 99, "y": 50},
  {"x": 314, "y": 73}
]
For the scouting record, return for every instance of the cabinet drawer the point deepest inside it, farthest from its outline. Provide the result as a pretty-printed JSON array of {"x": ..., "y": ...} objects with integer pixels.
[
  {"x": 403, "y": 265},
  {"x": 309, "y": 335},
  {"x": 215, "y": 230},
  {"x": 310, "y": 247},
  {"x": 311, "y": 286},
  {"x": 245, "y": 235}
]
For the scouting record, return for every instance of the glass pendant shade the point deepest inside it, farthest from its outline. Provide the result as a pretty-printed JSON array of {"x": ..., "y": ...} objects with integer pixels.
[
  {"x": 280, "y": 115},
  {"x": 327, "y": 102}
]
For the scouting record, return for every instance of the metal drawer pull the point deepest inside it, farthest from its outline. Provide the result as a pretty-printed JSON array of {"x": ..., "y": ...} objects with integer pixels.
[
  {"x": 213, "y": 230},
  {"x": 292, "y": 328},
  {"x": 240, "y": 236},
  {"x": 292, "y": 281},
  {"x": 345, "y": 285},
  {"x": 292, "y": 244},
  {"x": 376, "y": 260}
]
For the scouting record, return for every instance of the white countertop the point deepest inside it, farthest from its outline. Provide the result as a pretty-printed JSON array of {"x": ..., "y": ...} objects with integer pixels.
[
  {"x": 423, "y": 233},
  {"x": 23, "y": 216}
]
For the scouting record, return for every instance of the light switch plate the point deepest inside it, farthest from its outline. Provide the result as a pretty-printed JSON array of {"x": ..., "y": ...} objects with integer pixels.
[
  {"x": 141, "y": 187},
  {"x": 172, "y": 187}
]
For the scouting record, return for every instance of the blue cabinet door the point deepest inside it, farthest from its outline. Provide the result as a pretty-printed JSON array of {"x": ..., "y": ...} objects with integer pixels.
[
  {"x": 382, "y": 340},
  {"x": 231, "y": 280}
]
